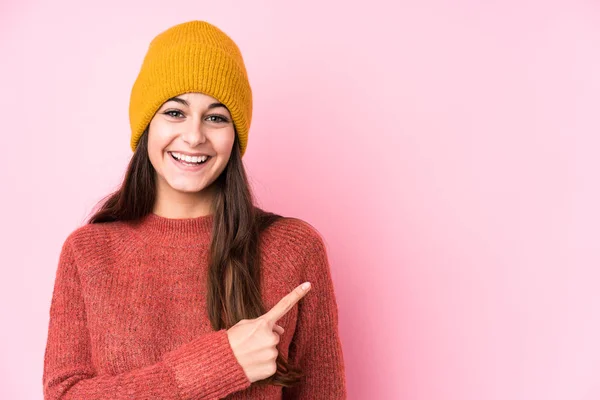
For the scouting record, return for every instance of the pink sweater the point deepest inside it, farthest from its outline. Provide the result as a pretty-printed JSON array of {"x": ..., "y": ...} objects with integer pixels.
[{"x": 128, "y": 315}]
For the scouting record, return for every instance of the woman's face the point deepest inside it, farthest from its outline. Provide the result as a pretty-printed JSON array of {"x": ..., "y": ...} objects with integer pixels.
[{"x": 190, "y": 125}]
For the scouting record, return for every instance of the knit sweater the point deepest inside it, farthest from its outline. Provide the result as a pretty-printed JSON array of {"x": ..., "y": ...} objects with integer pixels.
[{"x": 128, "y": 316}]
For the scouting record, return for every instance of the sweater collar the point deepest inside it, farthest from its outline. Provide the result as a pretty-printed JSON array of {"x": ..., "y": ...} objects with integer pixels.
[{"x": 175, "y": 232}]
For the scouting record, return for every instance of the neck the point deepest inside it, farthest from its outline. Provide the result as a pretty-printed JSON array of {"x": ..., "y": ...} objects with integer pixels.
[{"x": 175, "y": 204}]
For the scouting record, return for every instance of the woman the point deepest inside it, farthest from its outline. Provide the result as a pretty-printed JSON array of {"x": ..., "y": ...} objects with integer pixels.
[{"x": 179, "y": 287}]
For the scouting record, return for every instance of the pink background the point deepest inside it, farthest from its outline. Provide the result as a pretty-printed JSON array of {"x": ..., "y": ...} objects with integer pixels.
[{"x": 446, "y": 150}]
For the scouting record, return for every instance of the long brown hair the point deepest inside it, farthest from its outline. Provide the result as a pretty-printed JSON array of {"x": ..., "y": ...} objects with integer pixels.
[{"x": 234, "y": 272}]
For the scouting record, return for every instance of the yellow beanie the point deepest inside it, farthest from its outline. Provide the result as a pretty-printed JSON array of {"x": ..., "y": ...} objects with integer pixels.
[{"x": 194, "y": 56}]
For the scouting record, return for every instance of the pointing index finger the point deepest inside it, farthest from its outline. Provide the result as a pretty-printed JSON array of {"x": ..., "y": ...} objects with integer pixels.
[{"x": 287, "y": 303}]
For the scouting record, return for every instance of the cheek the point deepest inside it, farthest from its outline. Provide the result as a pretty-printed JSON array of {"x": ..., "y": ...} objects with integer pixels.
[
  {"x": 158, "y": 138},
  {"x": 224, "y": 143}
]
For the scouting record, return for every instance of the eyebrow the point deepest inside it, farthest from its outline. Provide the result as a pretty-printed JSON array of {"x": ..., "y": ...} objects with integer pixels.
[{"x": 185, "y": 103}]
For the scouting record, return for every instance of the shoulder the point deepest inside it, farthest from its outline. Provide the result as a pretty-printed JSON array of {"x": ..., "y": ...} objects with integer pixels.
[
  {"x": 93, "y": 235},
  {"x": 294, "y": 238},
  {"x": 93, "y": 245},
  {"x": 295, "y": 231}
]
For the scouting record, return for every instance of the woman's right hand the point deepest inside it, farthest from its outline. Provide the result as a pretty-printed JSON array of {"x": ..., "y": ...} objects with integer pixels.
[{"x": 254, "y": 341}]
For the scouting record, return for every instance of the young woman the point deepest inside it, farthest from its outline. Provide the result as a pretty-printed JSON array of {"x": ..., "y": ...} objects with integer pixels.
[{"x": 179, "y": 287}]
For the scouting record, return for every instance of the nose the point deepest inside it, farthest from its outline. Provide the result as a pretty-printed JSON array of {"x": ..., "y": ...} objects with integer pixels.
[{"x": 193, "y": 134}]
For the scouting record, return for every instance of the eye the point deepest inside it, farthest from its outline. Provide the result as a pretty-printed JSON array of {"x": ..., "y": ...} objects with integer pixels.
[
  {"x": 171, "y": 112},
  {"x": 222, "y": 119}
]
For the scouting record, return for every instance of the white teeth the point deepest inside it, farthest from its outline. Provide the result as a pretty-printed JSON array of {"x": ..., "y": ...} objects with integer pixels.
[{"x": 189, "y": 159}]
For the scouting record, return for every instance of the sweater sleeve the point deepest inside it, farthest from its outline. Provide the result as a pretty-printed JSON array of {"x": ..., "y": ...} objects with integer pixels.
[
  {"x": 316, "y": 347},
  {"x": 204, "y": 368}
]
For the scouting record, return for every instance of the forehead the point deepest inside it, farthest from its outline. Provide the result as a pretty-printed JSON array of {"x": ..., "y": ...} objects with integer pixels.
[{"x": 192, "y": 99}]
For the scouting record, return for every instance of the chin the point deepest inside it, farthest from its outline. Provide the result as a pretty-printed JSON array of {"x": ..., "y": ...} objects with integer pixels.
[{"x": 187, "y": 187}]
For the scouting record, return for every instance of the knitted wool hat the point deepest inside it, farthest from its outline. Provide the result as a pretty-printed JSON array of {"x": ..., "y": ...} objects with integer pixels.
[{"x": 193, "y": 56}]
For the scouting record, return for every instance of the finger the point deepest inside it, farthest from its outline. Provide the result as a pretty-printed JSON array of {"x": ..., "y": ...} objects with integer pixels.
[
  {"x": 286, "y": 303},
  {"x": 278, "y": 329}
]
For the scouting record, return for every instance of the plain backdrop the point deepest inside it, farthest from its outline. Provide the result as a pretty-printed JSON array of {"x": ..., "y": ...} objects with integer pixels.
[{"x": 448, "y": 152}]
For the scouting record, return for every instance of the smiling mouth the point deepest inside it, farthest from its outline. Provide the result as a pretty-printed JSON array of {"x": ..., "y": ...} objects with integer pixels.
[{"x": 189, "y": 163}]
